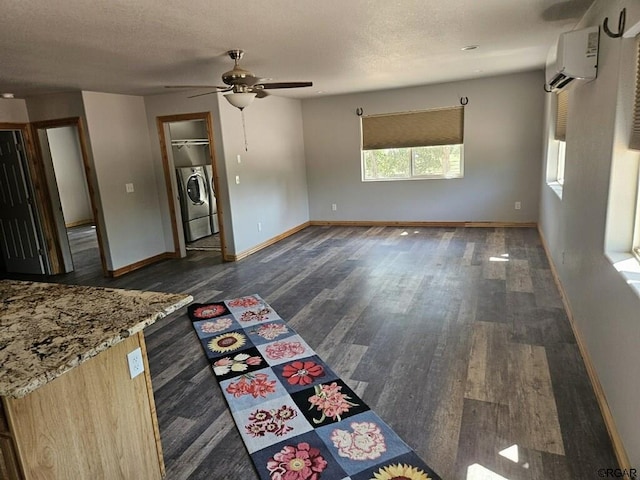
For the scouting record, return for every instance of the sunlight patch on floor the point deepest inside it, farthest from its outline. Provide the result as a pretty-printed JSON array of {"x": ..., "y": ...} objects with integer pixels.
[
  {"x": 511, "y": 453},
  {"x": 478, "y": 472}
]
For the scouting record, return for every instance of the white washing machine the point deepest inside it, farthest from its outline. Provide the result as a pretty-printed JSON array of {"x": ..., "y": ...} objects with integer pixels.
[{"x": 197, "y": 202}]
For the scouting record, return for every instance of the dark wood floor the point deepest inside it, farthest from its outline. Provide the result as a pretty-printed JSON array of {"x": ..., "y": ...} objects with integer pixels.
[{"x": 456, "y": 337}]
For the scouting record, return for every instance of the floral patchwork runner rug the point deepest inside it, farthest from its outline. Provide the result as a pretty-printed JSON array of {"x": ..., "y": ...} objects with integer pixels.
[{"x": 298, "y": 419}]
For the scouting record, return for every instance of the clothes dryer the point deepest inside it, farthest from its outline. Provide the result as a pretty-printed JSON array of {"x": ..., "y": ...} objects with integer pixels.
[{"x": 195, "y": 195}]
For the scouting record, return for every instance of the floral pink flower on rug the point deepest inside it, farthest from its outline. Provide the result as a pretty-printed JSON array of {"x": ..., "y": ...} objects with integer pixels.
[
  {"x": 216, "y": 326},
  {"x": 330, "y": 401},
  {"x": 257, "y": 385},
  {"x": 244, "y": 302},
  {"x": 302, "y": 373},
  {"x": 255, "y": 315},
  {"x": 299, "y": 462},
  {"x": 278, "y": 350},
  {"x": 209, "y": 311},
  {"x": 269, "y": 331},
  {"x": 366, "y": 442}
]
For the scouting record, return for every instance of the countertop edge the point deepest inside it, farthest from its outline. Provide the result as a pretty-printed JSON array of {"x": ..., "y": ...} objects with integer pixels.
[{"x": 41, "y": 380}]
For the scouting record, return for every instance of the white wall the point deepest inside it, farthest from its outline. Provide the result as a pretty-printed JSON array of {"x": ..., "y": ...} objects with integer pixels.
[
  {"x": 13, "y": 110},
  {"x": 69, "y": 172},
  {"x": 605, "y": 307},
  {"x": 272, "y": 173},
  {"x": 121, "y": 154},
  {"x": 502, "y": 151},
  {"x": 272, "y": 187}
]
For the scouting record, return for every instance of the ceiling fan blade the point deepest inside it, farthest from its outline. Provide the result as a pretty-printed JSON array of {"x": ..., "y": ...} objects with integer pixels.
[
  {"x": 261, "y": 93},
  {"x": 269, "y": 86},
  {"x": 202, "y": 94},
  {"x": 197, "y": 86}
]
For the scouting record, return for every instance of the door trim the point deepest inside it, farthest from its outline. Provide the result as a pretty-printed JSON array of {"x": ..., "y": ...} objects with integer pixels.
[
  {"x": 171, "y": 194},
  {"x": 56, "y": 252}
]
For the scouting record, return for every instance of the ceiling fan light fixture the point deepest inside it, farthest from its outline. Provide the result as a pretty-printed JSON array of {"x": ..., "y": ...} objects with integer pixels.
[{"x": 240, "y": 100}]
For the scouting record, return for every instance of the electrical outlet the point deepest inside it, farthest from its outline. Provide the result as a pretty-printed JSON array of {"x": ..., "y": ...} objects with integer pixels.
[
  {"x": 518, "y": 205},
  {"x": 334, "y": 207},
  {"x": 136, "y": 365},
  {"x": 129, "y": 187},
  {"x": 259, "y": 226}
]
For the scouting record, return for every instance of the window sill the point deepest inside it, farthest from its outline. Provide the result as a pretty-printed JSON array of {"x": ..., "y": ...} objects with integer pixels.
[
  {"x": 405, "y": 179},
  {"x": 557, "y": 188},
  {"x": 628, "y": 266}
]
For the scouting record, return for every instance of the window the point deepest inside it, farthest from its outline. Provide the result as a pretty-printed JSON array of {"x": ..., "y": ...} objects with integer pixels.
[
  {"x": 442, "y": 161},
  {"x": 634, "y": 144},
  {"x": 562, "y": 148},
  {"x": 622, "y": 233},
  {"x": 562, "y": 104},
  {"x": 413, "y": 145},
  {"x": 636, "y": 234}
]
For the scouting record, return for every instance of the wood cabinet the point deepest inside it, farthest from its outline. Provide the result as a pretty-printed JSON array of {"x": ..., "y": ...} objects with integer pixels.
[{"x": 92, "y": 422}]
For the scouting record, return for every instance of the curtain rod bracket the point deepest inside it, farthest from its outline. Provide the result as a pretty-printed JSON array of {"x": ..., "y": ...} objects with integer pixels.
[
  {"x": 621, "y": 22},
  {"x": 464, "y": 100},
  {"x": 359, "y": 111}
]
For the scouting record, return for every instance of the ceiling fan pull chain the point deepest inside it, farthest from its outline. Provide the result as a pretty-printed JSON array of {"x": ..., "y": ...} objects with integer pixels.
[{"x": 244, "y": 131}]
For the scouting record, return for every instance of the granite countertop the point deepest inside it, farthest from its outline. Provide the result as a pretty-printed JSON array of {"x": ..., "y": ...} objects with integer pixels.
[{"x": 47, "y": 329}]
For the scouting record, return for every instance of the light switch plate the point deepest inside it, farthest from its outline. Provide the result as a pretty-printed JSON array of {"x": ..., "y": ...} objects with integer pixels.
[
  {"x": 136, "y": 365},
  {"x": 129, "y": 187}
]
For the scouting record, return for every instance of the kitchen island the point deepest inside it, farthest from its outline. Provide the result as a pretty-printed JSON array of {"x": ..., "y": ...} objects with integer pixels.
[{"x": 70, "y": 408}]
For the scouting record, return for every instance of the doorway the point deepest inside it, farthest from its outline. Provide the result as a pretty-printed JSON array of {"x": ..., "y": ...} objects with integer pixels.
[
  {"x": 61, "y": 148},
  {"x": 191, "y": 178}
]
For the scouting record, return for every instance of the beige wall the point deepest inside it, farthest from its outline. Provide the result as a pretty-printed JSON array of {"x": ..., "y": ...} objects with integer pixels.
[
  {"x": 273, "y": 181},
  {"x": 502, "y": 151},
  {"x": 599, "y": 166},
  {"x": 121, "y": 154},
  {"x": 70, "y": 105},
  {"x": 69, "y": 173},
  {"x": 13, "y": 110}
]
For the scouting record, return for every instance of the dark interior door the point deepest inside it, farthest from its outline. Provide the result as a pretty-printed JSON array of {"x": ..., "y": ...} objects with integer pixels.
[{"x": 20, "y": 242}]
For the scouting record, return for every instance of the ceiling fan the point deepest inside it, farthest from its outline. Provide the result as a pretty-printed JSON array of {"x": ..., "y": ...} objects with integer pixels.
[{"x": 243, "y": 85}]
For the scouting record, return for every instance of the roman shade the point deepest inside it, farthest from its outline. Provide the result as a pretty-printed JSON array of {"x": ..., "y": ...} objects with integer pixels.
[
  {"x": 444, "y": 126},
  {"x": 562, "y": 104},
  {"x": 635, "y": 124}
]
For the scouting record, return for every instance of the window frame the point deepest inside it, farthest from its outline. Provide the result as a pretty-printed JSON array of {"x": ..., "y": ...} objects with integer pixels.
[
  {"x": 403, "y": 133},
  {"x": 446, "y": 175}
]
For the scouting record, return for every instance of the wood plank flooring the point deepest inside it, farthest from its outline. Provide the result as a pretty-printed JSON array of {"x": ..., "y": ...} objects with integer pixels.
[{"x": 456, "y": 337}]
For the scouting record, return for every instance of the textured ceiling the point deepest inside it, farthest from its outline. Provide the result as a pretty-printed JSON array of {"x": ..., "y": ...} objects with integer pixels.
[{"x": 138, "y": 46}]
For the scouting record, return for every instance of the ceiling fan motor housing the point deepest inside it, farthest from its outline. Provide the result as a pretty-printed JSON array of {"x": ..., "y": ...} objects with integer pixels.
[{"x": 239, "y": 76}]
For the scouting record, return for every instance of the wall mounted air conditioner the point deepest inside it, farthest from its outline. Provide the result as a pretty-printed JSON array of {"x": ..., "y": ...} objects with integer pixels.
[{"x": 576, "y": 59}]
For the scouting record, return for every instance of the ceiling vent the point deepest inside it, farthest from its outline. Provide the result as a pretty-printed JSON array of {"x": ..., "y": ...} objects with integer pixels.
[{"x": 576, "y": 59}]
